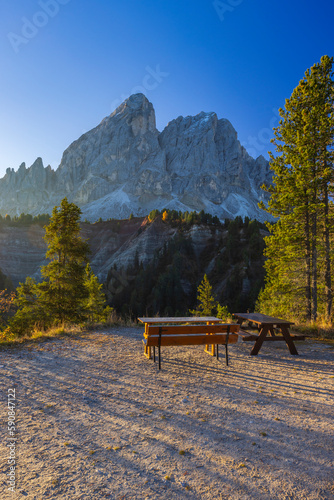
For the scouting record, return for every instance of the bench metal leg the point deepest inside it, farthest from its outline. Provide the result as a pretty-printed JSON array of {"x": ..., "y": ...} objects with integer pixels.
[
  {"x": 159, "y": 347},
  {"x": 154, "y": 354},
  {"x": 226, "y": 353},
  {"x": 226, "y": 345}
]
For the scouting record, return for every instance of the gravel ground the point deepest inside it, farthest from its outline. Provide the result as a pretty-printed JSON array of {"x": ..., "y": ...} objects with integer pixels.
[{"x": 96, "y": 419}]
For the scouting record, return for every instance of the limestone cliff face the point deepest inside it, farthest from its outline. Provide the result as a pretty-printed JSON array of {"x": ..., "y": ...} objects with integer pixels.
[
  {"x": 125, "y": 165},
  {"x": 29, "y": 190},
  {"x": 209, "y": 168},
  {"x": 122, "y": 153}
]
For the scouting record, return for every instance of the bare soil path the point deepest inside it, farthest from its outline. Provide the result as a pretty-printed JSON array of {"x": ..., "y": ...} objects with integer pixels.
[{"x": 95, "y": 419}]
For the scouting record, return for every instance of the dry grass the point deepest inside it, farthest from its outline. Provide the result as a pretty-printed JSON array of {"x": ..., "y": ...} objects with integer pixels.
[
  {"x": 317, "y": 331},
  {"x": 68, "y": 329}
]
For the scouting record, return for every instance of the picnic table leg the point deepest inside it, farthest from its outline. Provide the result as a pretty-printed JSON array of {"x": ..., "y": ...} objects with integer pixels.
[
  {"x": 148, "y": 352},
  {"x": 207, "y": 345},
  {"x": 258, "y": 344},
  {"x": 288, "y": 340},
  {"x": 147, "y": 349},
  {"x": 213, "y": 351},
  {"x": 271, "y": 331},
  {"x": 210, "y": 349}
]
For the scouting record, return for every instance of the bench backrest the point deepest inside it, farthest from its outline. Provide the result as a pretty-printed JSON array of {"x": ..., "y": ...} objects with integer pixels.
[
  {"x": 165, "y": 335},
  {"x": 192, "y": 329}
]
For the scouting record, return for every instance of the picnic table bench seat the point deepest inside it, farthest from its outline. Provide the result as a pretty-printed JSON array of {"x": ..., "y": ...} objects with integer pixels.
[
  {"x": 189, "y": 334},
  {"x": 247, "y": 336},
  {"x": 251, "y": 336}
]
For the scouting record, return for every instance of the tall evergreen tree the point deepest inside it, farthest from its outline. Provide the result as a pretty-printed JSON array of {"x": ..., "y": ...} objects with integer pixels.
[
  {"x": 299, "y": 247},
  {"x": 65, "y": 274},
  {"x": 70, "y": 292}
]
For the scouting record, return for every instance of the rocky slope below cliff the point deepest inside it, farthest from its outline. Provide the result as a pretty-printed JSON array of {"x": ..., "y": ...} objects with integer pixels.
[
  {"x": 112, "y": 244},
  {"x": 154, "y": 264},
  {"x": 125, "y": 165}
]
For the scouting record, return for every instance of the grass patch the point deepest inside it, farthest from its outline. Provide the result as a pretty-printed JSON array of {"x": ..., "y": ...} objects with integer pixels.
[
  {"x": 317, "y": 331},
  {"x": 38, "y": 334}
]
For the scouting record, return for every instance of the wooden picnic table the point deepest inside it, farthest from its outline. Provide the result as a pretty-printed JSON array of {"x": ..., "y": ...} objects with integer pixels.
[{"x": 266, "y": 325}]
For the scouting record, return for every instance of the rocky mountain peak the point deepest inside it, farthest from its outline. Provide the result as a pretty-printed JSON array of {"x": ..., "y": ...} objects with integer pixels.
[
  {"x": 37, "y": 165},
  {"x": 124, "y": 165},
  {"x": 139, "y": 111}
]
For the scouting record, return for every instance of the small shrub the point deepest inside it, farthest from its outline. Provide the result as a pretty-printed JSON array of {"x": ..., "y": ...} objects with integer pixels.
[{"x": 223, "y": 313}]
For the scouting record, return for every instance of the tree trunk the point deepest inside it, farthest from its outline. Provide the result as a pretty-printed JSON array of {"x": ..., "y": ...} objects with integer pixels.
[
  {"x": 314, "y": 269},
  {"x": 328, "y": 280},
  {"x": 308, "y": 266}
]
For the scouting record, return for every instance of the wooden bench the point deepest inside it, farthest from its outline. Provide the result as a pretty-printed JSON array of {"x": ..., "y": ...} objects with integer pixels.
[{"x": 176, "y": 335}]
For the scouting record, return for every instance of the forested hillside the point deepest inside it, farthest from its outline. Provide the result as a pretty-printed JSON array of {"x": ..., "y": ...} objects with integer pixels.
[{"x": 231, "y": 256}]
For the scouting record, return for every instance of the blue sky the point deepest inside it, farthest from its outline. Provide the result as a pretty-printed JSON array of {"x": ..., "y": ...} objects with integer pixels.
[{"x": 66, "y": 64}]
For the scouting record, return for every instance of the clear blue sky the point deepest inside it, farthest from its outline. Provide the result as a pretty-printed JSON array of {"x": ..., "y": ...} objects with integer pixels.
[{"x": 66, "y": 64}]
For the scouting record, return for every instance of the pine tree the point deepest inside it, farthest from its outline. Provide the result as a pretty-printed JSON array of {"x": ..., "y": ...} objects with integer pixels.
[
  {"x": 298, "y": 251},
  {"x": 30, "y": 308},
  {"x": 94, "y": 304},
  {"x": 65, "y": 276},
  {"x": 69, "y": 292},
  {"x": 205, "y": 299},
  {"x": 6, "y": 305}
]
